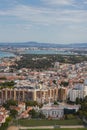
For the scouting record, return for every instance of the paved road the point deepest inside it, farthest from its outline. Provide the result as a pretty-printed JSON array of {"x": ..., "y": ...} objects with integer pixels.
[
  {"x": 50, "y": 127},
  {"x": 37, "y": 127},
  {"x": 77, "y": 126}
]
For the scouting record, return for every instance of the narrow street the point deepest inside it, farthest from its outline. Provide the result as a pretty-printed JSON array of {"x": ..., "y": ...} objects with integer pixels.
[{"x": 50, "y": 127}]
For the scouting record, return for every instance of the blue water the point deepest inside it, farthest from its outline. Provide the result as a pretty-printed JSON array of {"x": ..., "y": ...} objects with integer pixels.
[
  {"x": 46, "y": 52},
  {"x": 6, "y": 54}
]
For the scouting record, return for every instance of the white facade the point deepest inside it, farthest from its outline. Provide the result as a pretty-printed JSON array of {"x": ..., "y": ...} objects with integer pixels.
[
  {"x": 54, "y": 112},
  {"x": 85, "y": 90},
  {"x": 79, "y": 91},
  {"x": 73, "y": 94}
]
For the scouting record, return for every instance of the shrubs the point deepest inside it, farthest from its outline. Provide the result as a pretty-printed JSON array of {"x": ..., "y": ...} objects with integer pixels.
[{"x": 69, "y": 116}]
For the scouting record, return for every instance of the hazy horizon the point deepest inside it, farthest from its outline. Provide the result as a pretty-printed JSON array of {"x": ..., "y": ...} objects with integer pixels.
[{"x": 20, "y": 42}]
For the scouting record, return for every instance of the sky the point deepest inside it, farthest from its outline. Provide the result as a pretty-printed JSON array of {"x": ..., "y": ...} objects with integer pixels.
[{"x": 49, "y": 21}]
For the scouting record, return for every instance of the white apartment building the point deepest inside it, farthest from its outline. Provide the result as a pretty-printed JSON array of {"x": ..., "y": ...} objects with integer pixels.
[
  {"x": 54, "y": 112},
  {"x": 79, "y": 91}
]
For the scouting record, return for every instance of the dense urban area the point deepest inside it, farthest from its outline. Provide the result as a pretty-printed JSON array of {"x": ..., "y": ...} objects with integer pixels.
[{"x": 49, "y": 88}]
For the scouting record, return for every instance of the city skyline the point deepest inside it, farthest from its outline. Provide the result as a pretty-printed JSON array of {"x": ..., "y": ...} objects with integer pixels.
[{"x": 50, "y": 21}]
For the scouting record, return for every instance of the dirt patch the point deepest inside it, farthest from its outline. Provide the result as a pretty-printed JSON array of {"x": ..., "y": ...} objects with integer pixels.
[{"x": 13, "y": 128}]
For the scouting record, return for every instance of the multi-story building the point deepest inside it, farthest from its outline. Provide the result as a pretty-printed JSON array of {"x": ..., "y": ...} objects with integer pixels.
[
  {"x": 62, "y": 94},
  {"x": 79, "y": 91},
  {"x": 55, "y": 112},
  {"x": 29, "y": 93}
]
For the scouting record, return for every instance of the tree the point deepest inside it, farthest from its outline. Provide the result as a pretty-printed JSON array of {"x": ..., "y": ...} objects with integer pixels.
[
  {"x": 54, "y": 81},
  {"x": 85, "y": 114},
  {"x": 33, "y": 113},
  {"x": 13, "y": 113},
  {"x": 78, "y": 100},
  {"x": 9, "y": 103},
  {"x": 8, "y": 119},
  {"x": 64, "y": 83},
  {"x": 4, "y": 126},
  {"x": 55, "y": 103},
  {"x": 41, "y": 115},
  {"x": 83, "y": 110},
  {"x": 31, "y": 103},
  {"x": 7, "y": 84}
]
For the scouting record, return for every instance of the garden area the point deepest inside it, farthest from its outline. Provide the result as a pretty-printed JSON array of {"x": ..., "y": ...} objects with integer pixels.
[
  {"x": 37, "y": 122},
  {"x": 63, "y": 129}
]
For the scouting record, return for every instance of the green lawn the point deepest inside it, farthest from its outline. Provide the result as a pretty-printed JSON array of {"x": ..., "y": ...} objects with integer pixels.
[
  {"x": 35, "y": 122},
  {"x": 63, "y": 129}
]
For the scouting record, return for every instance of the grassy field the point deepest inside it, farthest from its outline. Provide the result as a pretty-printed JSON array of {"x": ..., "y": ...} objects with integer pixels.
[
  {"x": 63, "y": 129},
  {"x": 35, "y": 122}
]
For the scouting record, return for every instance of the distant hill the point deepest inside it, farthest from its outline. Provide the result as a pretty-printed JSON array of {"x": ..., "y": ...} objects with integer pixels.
[
  {"x": 78, "y": 45},
  {"x": 45, "y": 45}
]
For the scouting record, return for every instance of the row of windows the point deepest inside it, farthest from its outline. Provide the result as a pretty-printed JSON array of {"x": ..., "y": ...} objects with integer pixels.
[{"x": 54, "y": 113}]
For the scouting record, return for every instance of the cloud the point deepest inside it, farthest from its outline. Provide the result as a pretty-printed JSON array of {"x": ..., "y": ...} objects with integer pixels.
[
  {"x": 23, "y": 26},
  {"x": 58, "y": 2},
  {"x": 46, "y": 20},
  {"x": 84, "y": 1},
  {"x": 46, "y": 16},
  {"x": 75, "y": 4},
  {"x": 8, "y": 3}
]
